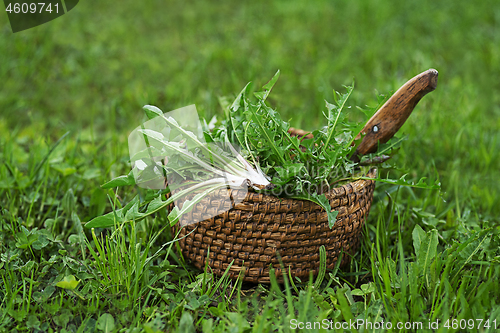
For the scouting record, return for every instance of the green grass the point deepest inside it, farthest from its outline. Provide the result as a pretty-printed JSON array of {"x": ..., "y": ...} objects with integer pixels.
[{"x": 425, "y": 256}]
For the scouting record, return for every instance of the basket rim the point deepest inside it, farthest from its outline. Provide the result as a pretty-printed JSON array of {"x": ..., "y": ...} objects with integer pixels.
[{"x": 332, "y": 194}]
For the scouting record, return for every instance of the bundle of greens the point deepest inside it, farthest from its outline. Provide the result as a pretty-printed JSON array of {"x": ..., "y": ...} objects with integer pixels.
[{"x": 272, "y": 159}]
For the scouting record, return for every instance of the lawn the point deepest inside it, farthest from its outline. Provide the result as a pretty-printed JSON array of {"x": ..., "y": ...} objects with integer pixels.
[{"x": 72, "y": 90}]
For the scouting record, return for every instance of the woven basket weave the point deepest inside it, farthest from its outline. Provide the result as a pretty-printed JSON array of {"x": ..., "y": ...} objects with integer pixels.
[{"x": 262, "y": 228}]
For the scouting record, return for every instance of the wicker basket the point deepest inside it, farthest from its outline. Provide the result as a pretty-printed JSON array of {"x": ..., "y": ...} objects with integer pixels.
[{"x": 261, "y": 226}]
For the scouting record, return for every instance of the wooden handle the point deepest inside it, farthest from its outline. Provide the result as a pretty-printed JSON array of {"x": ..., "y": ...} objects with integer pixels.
[{"x": 393, "y": 114}]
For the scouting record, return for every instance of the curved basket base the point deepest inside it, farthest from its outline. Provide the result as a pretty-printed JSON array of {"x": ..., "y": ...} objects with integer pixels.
[{"x": 263, "y": 229}]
